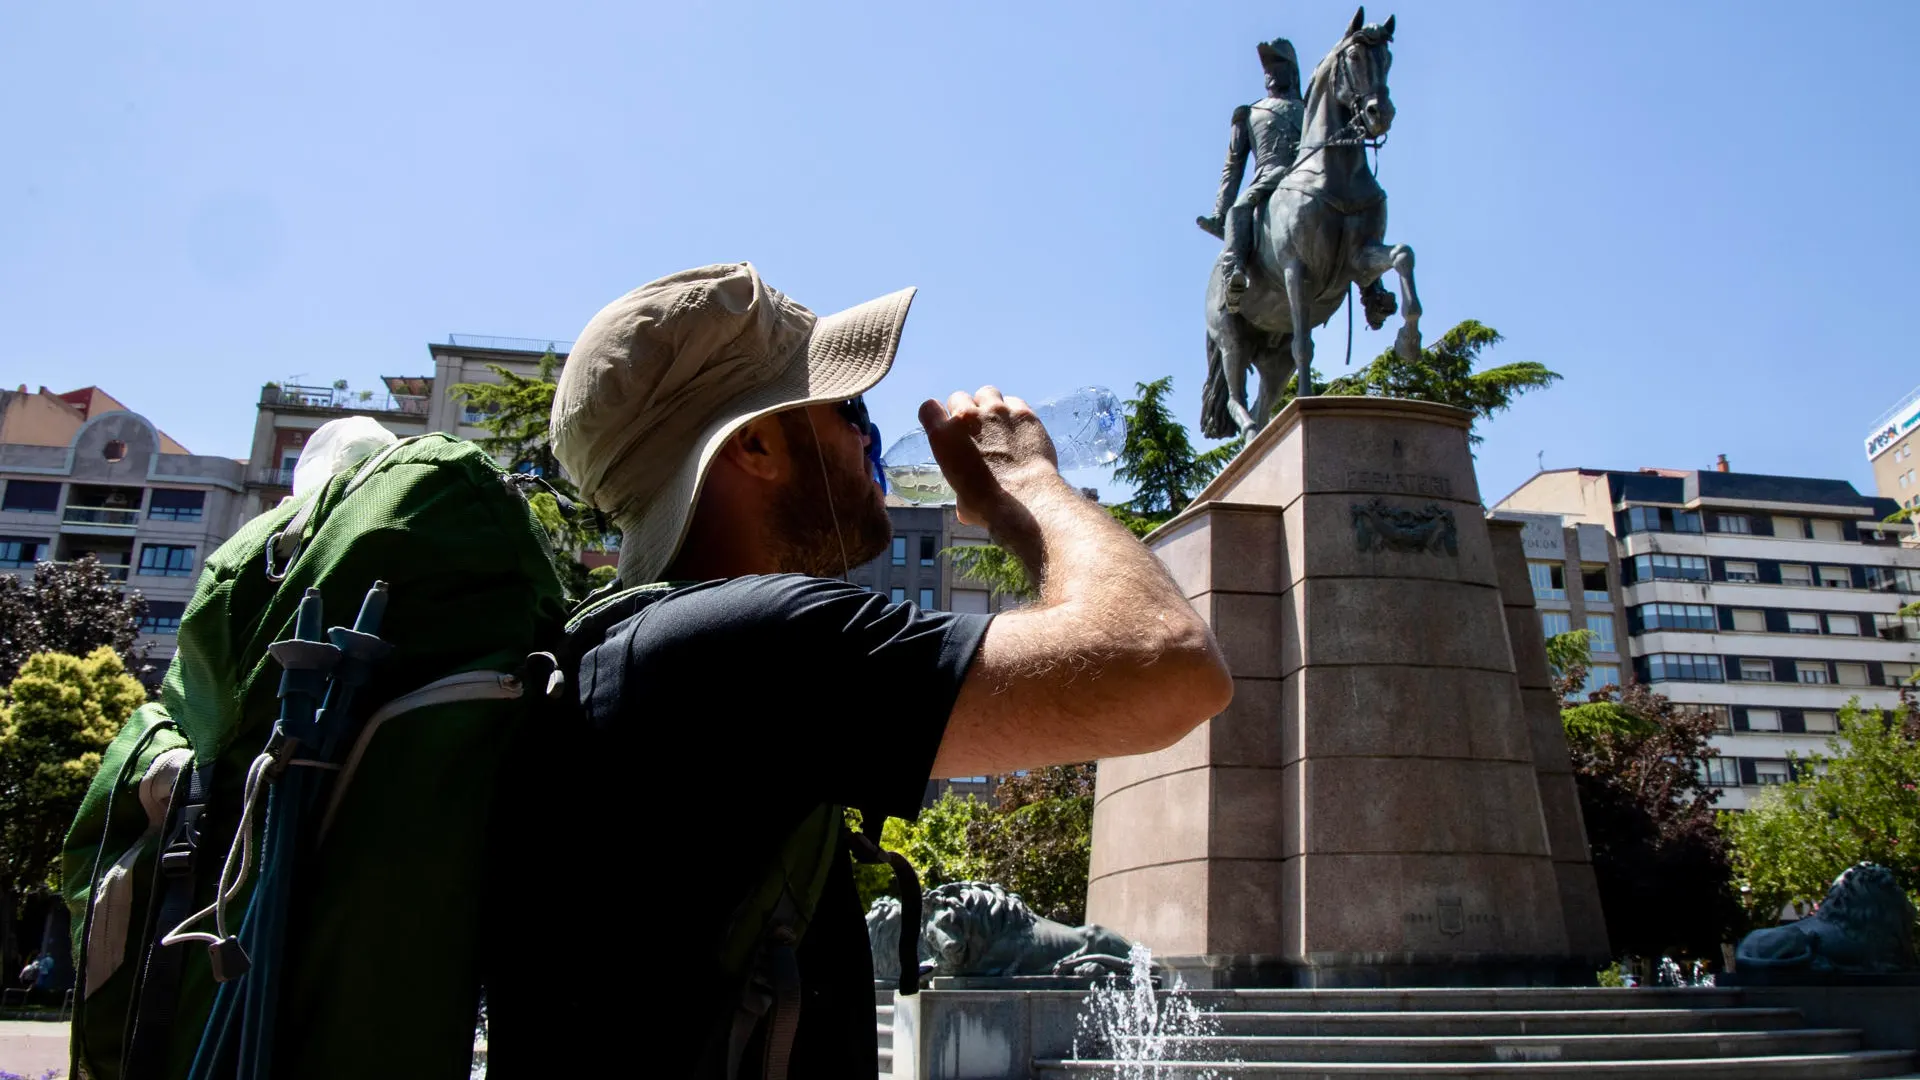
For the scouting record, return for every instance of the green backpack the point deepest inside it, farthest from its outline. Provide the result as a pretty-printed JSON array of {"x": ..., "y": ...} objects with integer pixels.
[
  {"x": 380, "y": 959},
  {"x": 378, "y": 955}
]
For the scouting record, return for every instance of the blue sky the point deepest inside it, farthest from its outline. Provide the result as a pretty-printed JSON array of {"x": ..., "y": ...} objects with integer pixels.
[{"x": 1700, "y": 214}]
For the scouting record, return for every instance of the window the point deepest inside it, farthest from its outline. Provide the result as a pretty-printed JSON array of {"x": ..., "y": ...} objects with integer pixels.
[
  {"x": 1850, "y": 674},
  {"x": 899, "y": 551},
  {"x": 1827, "y": 529},
  {"x": 1720, "y": 772},
  {"x": 1678, "y": 617},
  {"x": 18, "y": 552},
  {"x": 1763, "y": 719},
  {"x": 1750, "y": 621},
  {"x": 1843, "y": 624},
  {"x": 1593, "y": 583},
  {"x": 1836, "y": 577},
  {"x": 1549, "y": 580},
  {"x": 1600, "y": 675},
  {"x": 926, "y": 599},
  {"x": 1879, "y": 578},
  {"x": 1733, "y": 523},
  {"x": 1756, "y": 670},
  {"x": 162, "y": 617},
  {"x": 476, "y": 415},
  {"x": 1811, "y": 671},
  {"x": 1795, "y": 574},
  {"x": 1602, "y": 627},
  {"x": 1684, "y": 667},
  {"x": 1803, "y": 622},
  {"x": 1643, "y": 518},
  {"x": 1820, "y": 722},
  {"x": 166, "y": 560},
  {"x": 1721, "y": 714},
  {"x": 1742, "y": 571},
  {"x": 1680, "y": 567},
  {"x": 1555, "y": 623},
  {"x": 1896, "y": 674},
  {"x": 1791, "y": 528},
  {"x": 31, "y": 496},
  {"x": 1771, "y": 772},
  {"x": 927, "y": 552},
  {"x": 897, "y": 595},
  {"x": 173, "y": 504},
  {"x": 1686, "y": 521}
]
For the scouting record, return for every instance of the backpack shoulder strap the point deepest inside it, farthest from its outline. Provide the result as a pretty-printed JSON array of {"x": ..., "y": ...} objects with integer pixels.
[{"x": 157, "y": 994}]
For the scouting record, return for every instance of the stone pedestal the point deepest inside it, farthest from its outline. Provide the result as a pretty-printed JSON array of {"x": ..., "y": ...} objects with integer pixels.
[{"x": 1368, "y": 811}]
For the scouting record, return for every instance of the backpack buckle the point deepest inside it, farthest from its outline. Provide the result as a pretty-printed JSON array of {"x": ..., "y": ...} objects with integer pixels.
[{"x": 177, "y": 856}]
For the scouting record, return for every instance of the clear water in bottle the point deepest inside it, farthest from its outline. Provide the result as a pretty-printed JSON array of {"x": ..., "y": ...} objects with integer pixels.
[{"x": 1087, "y": 428}]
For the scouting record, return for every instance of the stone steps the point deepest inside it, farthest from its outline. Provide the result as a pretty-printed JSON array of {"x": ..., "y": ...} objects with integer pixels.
[
  {"x": 1518, "y": 1032},
  {"x": 1515, "y": 1048},
  {"x": 1852, "y": 1066},
  {"x": 1468, "y": 999},
  {"x": 1501, "y": 1022}
]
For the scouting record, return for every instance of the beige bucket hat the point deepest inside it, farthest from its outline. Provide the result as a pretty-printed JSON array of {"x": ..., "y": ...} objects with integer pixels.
[{"x": 662, "y": 376}]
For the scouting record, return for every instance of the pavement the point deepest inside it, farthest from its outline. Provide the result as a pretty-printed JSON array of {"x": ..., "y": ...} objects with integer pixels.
[{"x": 32, "y": 1048}]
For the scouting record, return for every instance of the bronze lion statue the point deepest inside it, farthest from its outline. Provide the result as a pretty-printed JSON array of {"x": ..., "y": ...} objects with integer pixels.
[
  {"x": 1864, "y": 925},
  {"x": 979, "y": 928}
]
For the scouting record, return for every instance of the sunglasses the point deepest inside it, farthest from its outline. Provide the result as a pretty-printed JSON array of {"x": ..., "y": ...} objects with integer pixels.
[{"x": 854, "y": 411}]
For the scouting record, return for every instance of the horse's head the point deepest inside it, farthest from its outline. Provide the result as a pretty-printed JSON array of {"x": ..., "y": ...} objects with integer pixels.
[{"x": 1358, "y": 67}]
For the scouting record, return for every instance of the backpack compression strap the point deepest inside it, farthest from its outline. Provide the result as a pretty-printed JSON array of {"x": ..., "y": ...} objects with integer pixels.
[{"x": 157, "y": 995}]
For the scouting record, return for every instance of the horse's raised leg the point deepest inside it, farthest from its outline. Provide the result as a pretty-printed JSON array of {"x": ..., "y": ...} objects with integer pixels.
[
  {"x": 1296, "y": 275},
  {"x": 1376, "y": 259}
]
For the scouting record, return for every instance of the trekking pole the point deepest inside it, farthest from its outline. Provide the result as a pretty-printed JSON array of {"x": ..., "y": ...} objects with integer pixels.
[{"x": 356, "y": 649}]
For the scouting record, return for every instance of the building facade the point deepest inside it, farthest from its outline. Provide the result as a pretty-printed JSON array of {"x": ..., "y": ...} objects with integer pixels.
[
  {"x": 1889, "y": 446},
  {"x": 1766, "y": 601},
  {"x": 81, "y": 475},
  {"x": 287, "y": 415},
  {"x": 1575, "y": 572}
]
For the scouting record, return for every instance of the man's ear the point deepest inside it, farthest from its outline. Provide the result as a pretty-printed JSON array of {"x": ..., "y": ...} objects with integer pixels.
[{"x": 758, "y": 449}]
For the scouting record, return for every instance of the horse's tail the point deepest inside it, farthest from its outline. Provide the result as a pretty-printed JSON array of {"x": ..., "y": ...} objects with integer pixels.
[{"x": 1215, "y": 421}]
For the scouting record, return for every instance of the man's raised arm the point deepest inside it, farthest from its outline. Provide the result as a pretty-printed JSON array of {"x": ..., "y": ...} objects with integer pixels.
[{"x": 1111, "y": 660}]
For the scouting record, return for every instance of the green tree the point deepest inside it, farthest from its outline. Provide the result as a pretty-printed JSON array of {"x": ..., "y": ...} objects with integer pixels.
[
  {"x": 1858, "y": 802},
  {"x": 1639, "y": 764},
  {"x": 516, "y": 413},
  {"x": 1443, "y": 373},
  {"x": 1039, "y": 839},
  {"x": 71, "y": 608},
  {"x": 58, "y": 715},
  {"x": 1158, "y": 458}
]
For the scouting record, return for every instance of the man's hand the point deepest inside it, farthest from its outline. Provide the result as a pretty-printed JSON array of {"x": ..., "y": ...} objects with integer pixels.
[{"x": 991, "y": 449}]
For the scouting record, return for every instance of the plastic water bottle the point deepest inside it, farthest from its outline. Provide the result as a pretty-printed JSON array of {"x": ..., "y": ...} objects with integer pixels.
[{"x": 1086, "y": 427}]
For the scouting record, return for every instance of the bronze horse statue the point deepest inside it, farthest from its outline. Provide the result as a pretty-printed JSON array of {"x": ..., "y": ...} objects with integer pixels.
[{"x": 1319, "y": 233}]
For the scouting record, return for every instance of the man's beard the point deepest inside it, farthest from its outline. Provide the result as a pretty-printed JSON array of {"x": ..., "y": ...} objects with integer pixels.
[{"x": 804, "y": 513}]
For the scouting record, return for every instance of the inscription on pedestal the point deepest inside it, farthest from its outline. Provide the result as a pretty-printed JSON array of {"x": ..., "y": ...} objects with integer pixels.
[{"x": 1405, "y": 483}]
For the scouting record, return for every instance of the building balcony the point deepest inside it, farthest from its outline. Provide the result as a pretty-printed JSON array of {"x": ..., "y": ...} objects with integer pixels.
[
  {"x": 110, "y": 517},
  {"x": 341, "y": 399},
  {"x": 115, "y": 571},
  {"x": 271, "y": 477}
]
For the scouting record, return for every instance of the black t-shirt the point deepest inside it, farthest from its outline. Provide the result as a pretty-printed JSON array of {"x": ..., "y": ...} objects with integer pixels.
[{"x": 716, "y": 718}]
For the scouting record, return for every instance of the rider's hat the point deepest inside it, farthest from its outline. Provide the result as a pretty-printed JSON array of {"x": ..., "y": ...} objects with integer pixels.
[{"x": 1278, "y": 52}]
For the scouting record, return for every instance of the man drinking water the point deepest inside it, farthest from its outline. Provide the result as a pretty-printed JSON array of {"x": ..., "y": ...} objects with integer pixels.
[{"x": 719, "y": 425}]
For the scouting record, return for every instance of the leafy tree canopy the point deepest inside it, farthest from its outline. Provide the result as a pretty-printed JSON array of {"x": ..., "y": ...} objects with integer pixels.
[
  {"x": 60, "y": 713},
  {"x": 71, "y": 608},
  {"x": 1858, "y": 802},
  {"x": 1444, "y": 373},
  {"x": 1639, "y": 764},
  {"x": 516, "y": 412}
]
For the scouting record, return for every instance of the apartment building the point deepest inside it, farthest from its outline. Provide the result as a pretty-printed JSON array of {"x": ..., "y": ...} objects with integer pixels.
[
  {"x": 1767, "y": 601},
  {"x": 288, "y": 413},
  {"x": 1576, "y": 586},
  {"x": 80, "y": 475},
  {"x": 1889, "y": 447}
]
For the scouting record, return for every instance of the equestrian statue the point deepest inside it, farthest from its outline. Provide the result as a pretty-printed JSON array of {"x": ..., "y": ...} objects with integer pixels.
[{"x": 1309, "y": 226}]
